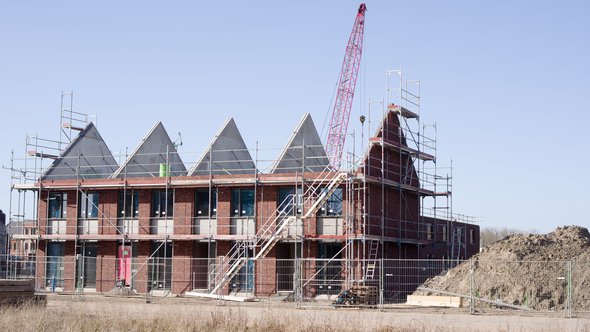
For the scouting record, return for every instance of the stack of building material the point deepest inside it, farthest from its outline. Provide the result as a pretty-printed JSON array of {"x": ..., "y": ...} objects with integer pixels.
[
  {"x": 18, "y": 292},
  {"x": 358, "y": 296}
]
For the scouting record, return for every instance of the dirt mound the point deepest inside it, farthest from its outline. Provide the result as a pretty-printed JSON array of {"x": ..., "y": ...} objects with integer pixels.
[{"x": 528, "y": 270}]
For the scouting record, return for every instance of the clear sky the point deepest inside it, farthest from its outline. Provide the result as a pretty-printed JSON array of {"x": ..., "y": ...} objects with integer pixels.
[{"x": 505, "y": 82}]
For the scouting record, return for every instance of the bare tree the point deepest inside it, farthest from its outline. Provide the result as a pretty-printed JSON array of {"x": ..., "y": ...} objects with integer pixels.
[{"x": 489, "y": 235}]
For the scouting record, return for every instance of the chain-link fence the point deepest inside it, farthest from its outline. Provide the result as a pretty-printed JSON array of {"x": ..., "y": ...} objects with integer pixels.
[{"x": 534, "y": 286}]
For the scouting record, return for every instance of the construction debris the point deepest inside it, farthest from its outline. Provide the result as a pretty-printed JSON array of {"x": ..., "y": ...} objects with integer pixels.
[
  {"x": 536, "y": 271},
  {"x": 358, "y": 296}
]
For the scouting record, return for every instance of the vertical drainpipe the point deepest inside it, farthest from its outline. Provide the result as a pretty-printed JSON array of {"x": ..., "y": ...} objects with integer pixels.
[
  {"x": 167, "y": 174},
  {"x": 78, "y": 191},
  {"x": 255, "y": 219}
]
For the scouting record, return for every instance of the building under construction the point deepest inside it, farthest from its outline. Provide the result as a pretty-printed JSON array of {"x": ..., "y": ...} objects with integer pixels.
[
  {"x": 312, "y": 219},
  {"x": 231, "y": 222}
]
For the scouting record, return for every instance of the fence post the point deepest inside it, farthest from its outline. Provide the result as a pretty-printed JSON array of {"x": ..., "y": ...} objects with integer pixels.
[
  {"x": 78, "y": 267},
  {"x": 471, "y": 303},
  {"x": 569, "y": 302},
  {"x": 381, "y": 284},
  {"x": 298, "y": 282}
]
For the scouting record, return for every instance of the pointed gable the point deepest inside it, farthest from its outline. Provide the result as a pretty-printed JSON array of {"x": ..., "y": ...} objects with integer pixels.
[
  {"x": 291, "y": 158},
  {"x": 154, "y": 150},
  {"x": 87, "y": 157},
  {"x": 226, "y": 154},
  {"x": 390, "y": 142}
]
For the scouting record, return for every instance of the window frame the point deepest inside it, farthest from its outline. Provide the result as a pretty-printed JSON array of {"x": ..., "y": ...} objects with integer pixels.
[
  {"x": 238, "y": 196},
  {"x": 131, "y": 200},
  {"x": 209, "y": 203},
  {"x": 84, "y": 205},
  {"x": 62, "y": 199},
  {"x": 324, "y": 210},
  {"x": 159, "y": 199},
  {"x": 429, "y": 231},
  {"x": 290, "y": 208}
]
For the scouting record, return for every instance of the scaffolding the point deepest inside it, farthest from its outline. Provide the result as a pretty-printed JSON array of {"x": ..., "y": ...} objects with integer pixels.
[{"x": 362, "y": 232}]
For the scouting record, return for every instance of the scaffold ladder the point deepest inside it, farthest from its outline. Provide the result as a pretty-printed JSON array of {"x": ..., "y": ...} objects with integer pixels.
[
  {"x": 270, "y": 233},
  {"x": 372, "y": 259}
]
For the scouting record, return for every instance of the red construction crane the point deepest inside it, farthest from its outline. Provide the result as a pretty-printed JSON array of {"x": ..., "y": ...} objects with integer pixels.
[{"x": 345, "y": 94}]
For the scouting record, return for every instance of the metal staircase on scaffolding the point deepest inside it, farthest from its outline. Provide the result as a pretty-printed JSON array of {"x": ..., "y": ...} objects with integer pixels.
[{"x": 270, "y": 232}]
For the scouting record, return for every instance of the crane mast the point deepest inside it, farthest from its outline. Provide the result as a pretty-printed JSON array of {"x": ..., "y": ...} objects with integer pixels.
[{"x": 345, "y": 93}]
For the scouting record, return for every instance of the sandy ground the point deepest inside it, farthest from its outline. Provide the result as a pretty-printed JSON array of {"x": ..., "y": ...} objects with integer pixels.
[{"x": 411, "y": 318}]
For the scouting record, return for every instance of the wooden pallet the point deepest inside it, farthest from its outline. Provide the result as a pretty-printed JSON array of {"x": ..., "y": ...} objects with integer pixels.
[{"x": 358, "y": 296}]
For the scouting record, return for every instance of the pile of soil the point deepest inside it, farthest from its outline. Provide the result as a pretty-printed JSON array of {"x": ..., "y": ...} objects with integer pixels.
[{"x": 526, "y": 270}]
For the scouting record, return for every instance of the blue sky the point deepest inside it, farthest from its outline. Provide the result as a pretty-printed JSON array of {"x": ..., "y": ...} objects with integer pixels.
[{"x": 505, "y": 82}]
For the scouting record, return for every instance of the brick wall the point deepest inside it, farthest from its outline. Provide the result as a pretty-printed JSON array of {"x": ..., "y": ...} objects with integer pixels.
[
  {"x": 182, "y": 266},
  {"x": 141, "y": 278},
  {"x": 107, "y": 218},
  {"x": 42, "y": 208},
  {"x": 309, "y": 268},
  {"x": 145, "y": 201},
  {"x": 184, "y": 210},
  {"x": 71, "y": 213},
  {"x": 69, "y": 264},
  {"x": 265, "y": 273},
  {"x": 223, "y": 248},
  {"x": 41, "y": 261},
  {"x": 106, "y": 265},
  {"x": 223, "y": 210},
  {"x": 266, "y": 205}
]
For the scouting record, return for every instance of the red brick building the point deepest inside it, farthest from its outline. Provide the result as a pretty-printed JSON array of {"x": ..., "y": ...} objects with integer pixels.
[{"x": 153, "y": 224}]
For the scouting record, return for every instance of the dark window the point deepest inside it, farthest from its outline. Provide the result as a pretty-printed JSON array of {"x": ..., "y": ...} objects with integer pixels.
[
  {"x": 333, "y": 206},
  {"x": 162, "y": 205},
  {"x": 160, "y": 266},
  {"x": 242, "y": 202},
  {"x": 204, "y": 206},
  {"x": 88, "y": 205},
  {"x": 471, "y": 236},
  {"x": 58, "y": 203},
  {"x": 54, "y": 270},
  {"x": 128, "y": 204},
  {"x": 288, "y": 203}
]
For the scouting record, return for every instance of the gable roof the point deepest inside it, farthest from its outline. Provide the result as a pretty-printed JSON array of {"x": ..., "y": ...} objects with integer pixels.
[
  {"x": 86, "y": 157},
  {"x": 305, "y": 143},
  {"x": 226, "y": 154},
  {"x": 153, "y": 150}
]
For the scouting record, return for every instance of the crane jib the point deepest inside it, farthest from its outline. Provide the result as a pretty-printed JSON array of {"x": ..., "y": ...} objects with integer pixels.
[{"x": 345, "y": 92}]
